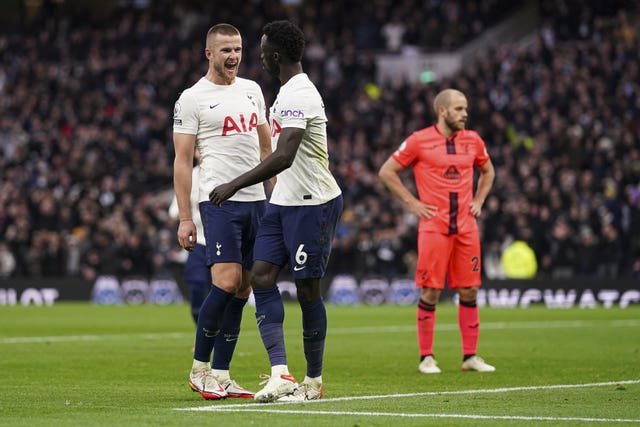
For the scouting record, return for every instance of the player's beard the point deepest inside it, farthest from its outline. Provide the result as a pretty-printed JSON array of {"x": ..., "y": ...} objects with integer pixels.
[
  {"x": 454, "y": 125},
  {"x": 222, "y": 72}
]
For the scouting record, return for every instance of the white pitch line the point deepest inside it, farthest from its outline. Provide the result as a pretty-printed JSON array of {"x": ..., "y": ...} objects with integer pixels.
[
  {"x": 409, "y": 415},
  {"x": 271, "y": 408},
  {"x": 420, "y": 394},
  {"x": 333, "y": 331},
  {"x": 77, "y": 338}
]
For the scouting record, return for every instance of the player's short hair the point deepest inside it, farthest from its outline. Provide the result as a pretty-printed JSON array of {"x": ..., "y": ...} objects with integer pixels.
[
  {"x": 223, "y": 29},
  {"x": 287, "y": 37}
]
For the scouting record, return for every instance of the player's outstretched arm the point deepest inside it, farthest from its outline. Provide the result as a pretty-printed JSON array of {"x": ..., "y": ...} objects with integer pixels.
[
  {"x": 264, "y": 138},
  {"x": 279, "y": 160}
]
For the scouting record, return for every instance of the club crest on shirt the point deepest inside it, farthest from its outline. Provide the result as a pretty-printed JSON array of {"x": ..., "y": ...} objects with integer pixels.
[
  {"x": 452, "y": 173},
  {"x": 176, "y": 114}
]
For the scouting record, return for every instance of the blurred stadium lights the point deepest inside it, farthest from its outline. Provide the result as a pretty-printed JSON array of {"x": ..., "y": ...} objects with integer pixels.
[{"x": 427, "y": 76}]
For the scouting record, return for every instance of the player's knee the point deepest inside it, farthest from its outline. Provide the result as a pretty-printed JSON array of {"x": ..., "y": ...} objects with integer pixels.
[
  {"x": 260, "y": 280},
  {"x": 430, "y": 295},
  {"x": 468, "y": 294},
  {"x": 263, "y": 275},
  {"x": 307, "y": 297},
  {"x": 243, "y": 291},
  {"x": 308, "y": 291}
]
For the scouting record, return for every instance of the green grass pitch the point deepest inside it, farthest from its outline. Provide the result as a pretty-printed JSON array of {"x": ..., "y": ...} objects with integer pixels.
[{"x": 77, "y": 364}]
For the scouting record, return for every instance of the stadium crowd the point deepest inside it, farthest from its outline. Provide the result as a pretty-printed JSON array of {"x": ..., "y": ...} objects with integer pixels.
[{"x": 86, "y": 150}]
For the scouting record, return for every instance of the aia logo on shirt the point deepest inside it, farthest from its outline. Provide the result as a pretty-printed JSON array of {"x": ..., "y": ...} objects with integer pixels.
[
  {"x": 239, "y": 124},
  {"x": 452, "y": 173},
  {"x": 275, "y": 128}
]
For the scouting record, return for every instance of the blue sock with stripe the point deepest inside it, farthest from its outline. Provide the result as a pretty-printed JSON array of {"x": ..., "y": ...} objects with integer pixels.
[
  {"x": 270, "y": 317},
  {"x": 227, "y": 339},
  {"x": 209, "y": 322}
]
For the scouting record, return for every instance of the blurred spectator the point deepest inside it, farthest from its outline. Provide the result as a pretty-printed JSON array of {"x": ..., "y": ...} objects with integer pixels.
[
  {"x": 135, "y": 257},
  {"x": 519, "y": 260},
  {"x": 492, "y": 263},
  {"x": 560, "y": 261},
  {"x": 609, "y": 252},
  {"x": 7, "y": 261},
  {"x": 393, "y": 33},
  {"x": 588, "y": 257}
]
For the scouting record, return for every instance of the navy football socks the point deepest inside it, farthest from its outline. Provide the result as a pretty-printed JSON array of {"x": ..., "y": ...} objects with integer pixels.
[
  {"x": 209, "y": 322},
  {"x": 227, "y": 339},
  {"x": 314, "y": 331},
  {"x": 270, "y": 316}
]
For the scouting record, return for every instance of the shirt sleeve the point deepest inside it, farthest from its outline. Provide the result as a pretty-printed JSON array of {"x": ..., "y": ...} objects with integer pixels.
[
  {"x": 407, "y": 153},
  {"x": 262, "y": 114},
  {"x": 173, "y": 208},
  {"x": 185, "y": 114},
  {"x": 482, "y": 156},
  {"x": 295, "y": 113}
]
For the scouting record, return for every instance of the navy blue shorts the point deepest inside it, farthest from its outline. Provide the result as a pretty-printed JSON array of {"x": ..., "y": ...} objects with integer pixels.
[
  {"x": 300, "y": 236},
  {"x": 230, "y": 230},
  {"x": 196, "y": 269}
]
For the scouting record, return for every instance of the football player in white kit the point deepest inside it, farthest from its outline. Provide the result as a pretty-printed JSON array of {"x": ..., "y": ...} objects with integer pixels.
[
  {"x": 222, "y": 116},
  {"x": 299, "y": 224}
]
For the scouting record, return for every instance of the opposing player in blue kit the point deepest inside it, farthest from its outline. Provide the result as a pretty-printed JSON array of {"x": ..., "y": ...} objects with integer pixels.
[
  {"x": 301, "y": 217},
  {"x": 224, "y": 117}
]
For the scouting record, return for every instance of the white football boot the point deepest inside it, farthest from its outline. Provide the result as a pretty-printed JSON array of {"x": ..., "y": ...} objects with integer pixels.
[
  {"x": 276, "y": 387},
  {"x": 429, "y": 366},
  {"x": 307, "y": 390},
  {"x": 205, "y": 383},
  {"x": 475, "y": 363},
  {"x": 234, "y": 390}
]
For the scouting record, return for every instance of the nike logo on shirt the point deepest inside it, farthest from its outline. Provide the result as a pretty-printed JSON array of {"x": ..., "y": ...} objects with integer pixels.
[
  {"x": 297, "y": 268},
  {"x": 214, "y": 105}
]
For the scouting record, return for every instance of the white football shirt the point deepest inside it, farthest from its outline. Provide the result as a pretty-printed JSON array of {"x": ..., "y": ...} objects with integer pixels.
[
  {"x": 224, "y": 119},
  {"x": 308, "y": 181}
]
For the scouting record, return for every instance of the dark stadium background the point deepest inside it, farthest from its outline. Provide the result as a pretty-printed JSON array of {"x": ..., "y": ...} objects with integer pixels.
[{"x": 87, "y": 91}]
